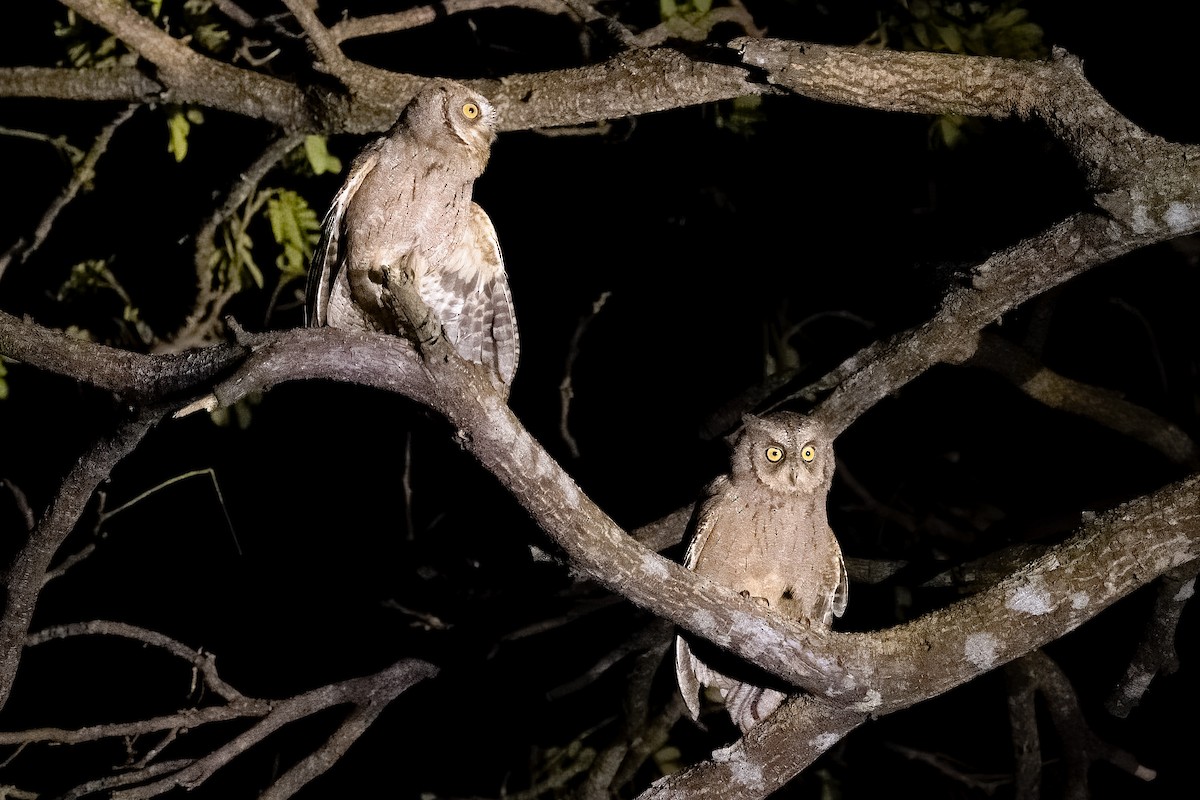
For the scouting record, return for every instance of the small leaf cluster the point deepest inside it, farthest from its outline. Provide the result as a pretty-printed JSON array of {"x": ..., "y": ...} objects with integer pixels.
[
  {"x": 982, "y": 29},
  {"x": 976, "y": 28},
  {"x": 91, "y": 279}
]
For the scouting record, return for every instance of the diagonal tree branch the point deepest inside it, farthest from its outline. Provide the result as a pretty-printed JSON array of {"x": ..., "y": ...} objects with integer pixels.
[
  {"x": 193, "y": 78},
  {"x": 24, "y": 577}
]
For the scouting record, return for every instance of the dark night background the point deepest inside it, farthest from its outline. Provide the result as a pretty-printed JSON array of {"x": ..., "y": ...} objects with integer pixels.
[{"x": 704, "y": 236}]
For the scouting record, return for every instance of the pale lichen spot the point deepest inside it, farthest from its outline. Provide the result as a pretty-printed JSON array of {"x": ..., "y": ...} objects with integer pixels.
[
  {"x": 742, "y": 772},
  {"x": 1031, "y": 598},
  {"x": 1140, "y": 217},
  {"x": 1179, "y": 217},
  {"x": 824, "y": 741},
  {"x": 570, "y": 492},
  {"x": 522, "y": 450},
  {"x": 655, "y": 567},
  {"x": 872, "y": 701},
  {"x": 750, "y": 629},
  {"x": 703, "y": 620},
  {"x": 981, "y": 649},
  {"x": 1080, "y": 600},
  {"x": 1185, "y": 591},
  {"x": 1139, "y": 220}
]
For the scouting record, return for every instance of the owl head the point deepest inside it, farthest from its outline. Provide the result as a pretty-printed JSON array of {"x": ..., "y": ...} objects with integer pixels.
[
  {"x": 785, "y": 452},
  {"x": 453, "y": 115}
]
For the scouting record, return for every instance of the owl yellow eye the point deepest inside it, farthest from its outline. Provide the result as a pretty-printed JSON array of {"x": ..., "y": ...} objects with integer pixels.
[
  {"x": 808, "y": 453},
  {"x": 470, "y": 110},
  {"x": 774, "y": 454}
]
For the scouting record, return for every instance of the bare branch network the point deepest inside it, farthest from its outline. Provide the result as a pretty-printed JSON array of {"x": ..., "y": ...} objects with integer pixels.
[{"x": 1144, "y": 190}]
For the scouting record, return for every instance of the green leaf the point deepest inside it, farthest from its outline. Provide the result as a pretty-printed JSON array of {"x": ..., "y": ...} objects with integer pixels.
[
  {"x": 295, "y": 226},
  {"x": 702, "y": 6},
  {"x": 667, "y": 9},
  {"x": 88, "y": 277},
  {"x": 949, "y": 35},
  {"x": 235, "y": 255},
  {"x": 3, "y": 383},
  {"x": 178, "y": 127},
  {"x": 319, "y": 158},
  {"x": 211, "y": 37}
]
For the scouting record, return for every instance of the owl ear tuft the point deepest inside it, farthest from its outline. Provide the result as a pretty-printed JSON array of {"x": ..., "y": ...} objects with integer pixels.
[{"x": 748, "y": 421}]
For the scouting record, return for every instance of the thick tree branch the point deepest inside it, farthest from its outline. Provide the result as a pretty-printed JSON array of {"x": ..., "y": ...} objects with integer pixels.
[
  {"x": 1105, "y": 407},
  {"x": 1110, "y": 149},
  {"x": 1156, "y": 652},
  {"x": 999, "y": 285},
  {"x": 635, "y": 82},
  {"x": 767, "y": 757},
  {"x": 129, "y": 84},
  {"x": 878, "y": 672},
  {"x": 135, "y": 377},
  {"x": 189, "y": 77}
]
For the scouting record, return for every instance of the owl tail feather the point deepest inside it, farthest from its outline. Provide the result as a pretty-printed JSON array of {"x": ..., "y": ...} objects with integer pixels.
[{"x": 746, "y": 703}]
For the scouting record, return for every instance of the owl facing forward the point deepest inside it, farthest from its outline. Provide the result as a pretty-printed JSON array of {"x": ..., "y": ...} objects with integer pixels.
[
  {"x": 406, "y": 207},
  {"x": 763, "y": 531}
]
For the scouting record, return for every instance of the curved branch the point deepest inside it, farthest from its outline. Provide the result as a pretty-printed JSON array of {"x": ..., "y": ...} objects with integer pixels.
[
  {"x": 878, "y": 672},
  {"x": 202, "y": 662},
  {"x": 1000, "y": 284}
]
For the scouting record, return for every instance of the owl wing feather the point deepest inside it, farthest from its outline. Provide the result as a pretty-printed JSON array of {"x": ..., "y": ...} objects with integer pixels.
[
  {"x": 470, "y": 295},
  {"x": 720, "y": 487},
  {"x": 842, "y": 592},
  {"x": 326, "y": 267},
  {"x": 690, "y": 672}
]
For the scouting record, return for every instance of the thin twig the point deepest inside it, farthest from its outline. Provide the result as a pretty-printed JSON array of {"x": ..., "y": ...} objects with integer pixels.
[
  {"x": 565, "y": 389},
  {"x": 333, "y": 60},
  {"x": 204, "y": 662},
  {"x": 370, "y": 692},
  {"x": 203, "y": 322},
  {"x": 418, "y": 16},
  {"x": 22, "y": 502},
  {"x": 1156, "y": 652},
  {"x": 83, "y": 176}
]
